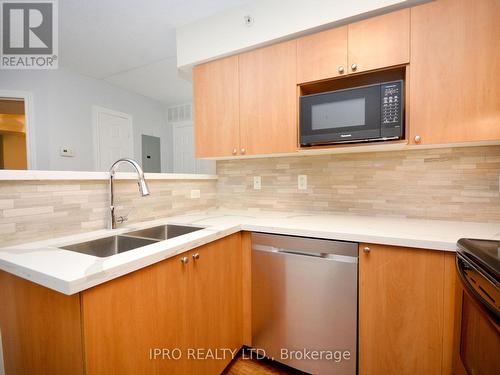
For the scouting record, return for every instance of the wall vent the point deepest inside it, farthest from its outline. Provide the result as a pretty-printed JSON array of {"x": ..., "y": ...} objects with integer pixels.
[{"x": 179, "y": 113}]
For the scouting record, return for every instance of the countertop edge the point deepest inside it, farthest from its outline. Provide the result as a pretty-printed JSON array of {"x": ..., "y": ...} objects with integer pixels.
[
  {"x": 360, "y": 238},
  {"x": 85, "y": 273},
  {"x": 74, "y": 286}
]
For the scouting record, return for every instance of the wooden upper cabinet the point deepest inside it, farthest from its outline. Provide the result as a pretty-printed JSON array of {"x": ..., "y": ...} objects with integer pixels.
[
  {"x": 216, "y": 107},
  {"x": 455, "y": 60},
  {"x": 322, "y": 55},
  {"x": 403, "y": 303},
  {"x": 379, "y": 42},
  {"x": 268, "y": 108}
]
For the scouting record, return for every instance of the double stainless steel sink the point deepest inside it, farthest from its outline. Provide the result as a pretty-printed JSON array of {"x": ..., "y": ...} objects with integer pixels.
[
  {"x": 108, "y": 246},
  {"x": 163, "y": 232}
]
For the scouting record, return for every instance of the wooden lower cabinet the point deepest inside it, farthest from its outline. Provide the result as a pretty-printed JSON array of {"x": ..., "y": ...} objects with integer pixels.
[
  {"x": 406, "y": 299},
  {"x": 170, "y": 306},
  {"x": 125, "y": 318},
  {"x": 216, "y": 303},
  {"x": 115, "y": 327},
  {"x": 406, "y": 315},
  {"x": 40, "y": 328}
]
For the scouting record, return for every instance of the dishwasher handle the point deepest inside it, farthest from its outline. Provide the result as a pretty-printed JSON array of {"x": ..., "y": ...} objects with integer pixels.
[{"x": 305, "y": 253}]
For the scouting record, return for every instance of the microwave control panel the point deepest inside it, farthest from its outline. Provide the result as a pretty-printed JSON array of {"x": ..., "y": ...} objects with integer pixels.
[{"x": 392, "y": 109}]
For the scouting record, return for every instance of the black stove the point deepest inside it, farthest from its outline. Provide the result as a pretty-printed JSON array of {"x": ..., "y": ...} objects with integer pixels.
[{"x": 478, "y": 264}]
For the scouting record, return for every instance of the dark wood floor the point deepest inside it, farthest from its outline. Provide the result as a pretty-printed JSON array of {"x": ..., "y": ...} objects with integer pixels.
[{"x": 244, "y": 365}]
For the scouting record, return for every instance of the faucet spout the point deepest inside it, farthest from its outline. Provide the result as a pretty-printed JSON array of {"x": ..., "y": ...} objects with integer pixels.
[
  {"x": 143, "y": 187},
  {"x": 141, "y": 182}
]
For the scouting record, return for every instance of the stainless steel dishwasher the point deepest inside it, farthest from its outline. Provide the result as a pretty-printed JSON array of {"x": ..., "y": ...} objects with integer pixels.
[{"x": 305, "y": 302}]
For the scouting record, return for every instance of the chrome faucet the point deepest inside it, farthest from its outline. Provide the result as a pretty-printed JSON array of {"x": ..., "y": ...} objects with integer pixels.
[{"x": 141, "y": 182}]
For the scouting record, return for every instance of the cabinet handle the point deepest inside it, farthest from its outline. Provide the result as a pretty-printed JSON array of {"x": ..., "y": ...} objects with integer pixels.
[
  {"x": 366, "y": 249},
  {"x": 243, "y": 151},
  {"x": 184, "y": 260},
  {"x": 354, "y": 67},
  {"x": 196, "y": 256},
  {"x": 418, "y": 139},
  {"x": 341, "y": 69},
  {"x": 235, "y": 151}
]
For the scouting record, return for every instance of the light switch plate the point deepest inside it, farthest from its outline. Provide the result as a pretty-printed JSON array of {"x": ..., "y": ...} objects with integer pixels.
[
  {"x": 195, "y": 193},
  {"x": 302, "y": 182},
  {"x": 257, "y": 182},
  {"x": 66, "y": 152}
]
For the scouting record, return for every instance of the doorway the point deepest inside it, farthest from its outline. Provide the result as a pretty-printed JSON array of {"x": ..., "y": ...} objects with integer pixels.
[
  {"x": 13, "y": 146},
  {"x": 113, "y": 134},
  {"x": 184, "y": 158}
]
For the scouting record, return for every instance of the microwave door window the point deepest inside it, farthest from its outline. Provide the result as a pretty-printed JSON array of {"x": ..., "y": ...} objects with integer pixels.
[{"x": 338, "y": 114}]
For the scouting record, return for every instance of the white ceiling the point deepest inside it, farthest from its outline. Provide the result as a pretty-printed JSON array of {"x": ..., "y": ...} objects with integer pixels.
[
  {"x": 159, "y": 80},
  {"x": 131, "y": 43}
]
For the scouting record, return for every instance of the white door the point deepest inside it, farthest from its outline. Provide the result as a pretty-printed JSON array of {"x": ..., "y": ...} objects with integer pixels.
[
  {"x": 184, "y": 160},
  {"x": 113, "y": 137}
]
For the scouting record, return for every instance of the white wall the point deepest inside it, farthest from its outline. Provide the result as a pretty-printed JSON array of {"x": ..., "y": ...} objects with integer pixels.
[
  {"x": 225, "y": 33},
  {"x": 63, "y": 101}
]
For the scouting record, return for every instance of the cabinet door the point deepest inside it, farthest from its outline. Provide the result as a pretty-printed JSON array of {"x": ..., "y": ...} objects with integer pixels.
[
  {"x": 216, "y": 107},
  {"x": 216, "y": 302},
  {"x": 379, "y": 42},
  {"x": 322, "y": 55},
  {"x": 455, "y": 60},
  {"x": 268, "y": 116},
  {"x": 40, "y": 329},
  {"x": 124, "y": 319},
  {"x": 401, "y": 311}
]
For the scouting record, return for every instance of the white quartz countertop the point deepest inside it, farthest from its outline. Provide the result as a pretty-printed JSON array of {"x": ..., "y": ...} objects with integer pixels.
[{"x": 70, "y": 272}]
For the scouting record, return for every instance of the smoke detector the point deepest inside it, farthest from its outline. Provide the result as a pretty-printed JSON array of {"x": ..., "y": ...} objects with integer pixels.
[{"x": 248, "y": 20}]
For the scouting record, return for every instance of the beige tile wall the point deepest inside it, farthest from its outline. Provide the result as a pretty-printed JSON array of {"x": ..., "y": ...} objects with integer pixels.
[
  {"x": 36, "y": 210},
  {"x": 450, "y": 184},
  {"x": 453, "y": 184}
]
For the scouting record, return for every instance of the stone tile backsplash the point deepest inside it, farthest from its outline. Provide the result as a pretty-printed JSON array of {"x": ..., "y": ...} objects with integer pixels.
[
  {"x": 449, "y": 184},
  {"x": 37, "y": 210}
]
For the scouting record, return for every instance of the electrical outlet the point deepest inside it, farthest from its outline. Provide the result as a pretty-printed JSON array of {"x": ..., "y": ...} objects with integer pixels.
[
  {"x": 302, "y": 182},
  {"x": 195, "y": 193},
  {"x": 257, "y": 182}
]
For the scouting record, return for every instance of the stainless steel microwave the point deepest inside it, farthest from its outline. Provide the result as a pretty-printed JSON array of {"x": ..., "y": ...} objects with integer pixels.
[{"x": 359, "y": 114}]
